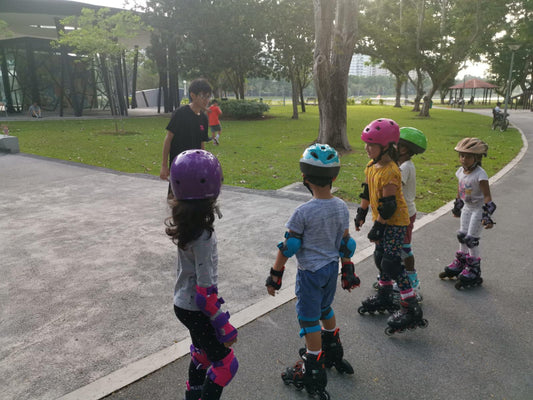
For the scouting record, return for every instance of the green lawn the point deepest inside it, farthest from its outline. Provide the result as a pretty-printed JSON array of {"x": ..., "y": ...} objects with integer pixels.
[{"x": 264, "y": 154}]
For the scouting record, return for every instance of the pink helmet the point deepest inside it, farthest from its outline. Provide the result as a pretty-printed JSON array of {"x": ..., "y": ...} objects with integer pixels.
[{"x": 381, "y": 131}]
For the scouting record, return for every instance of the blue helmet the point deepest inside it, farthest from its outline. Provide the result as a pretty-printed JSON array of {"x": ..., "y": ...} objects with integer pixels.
[{"x": 320, "y": 161}]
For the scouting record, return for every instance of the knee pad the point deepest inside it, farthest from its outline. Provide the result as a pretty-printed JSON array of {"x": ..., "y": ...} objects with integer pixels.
[
  {"x": 292, "y": 243},
  {"x": 471, "y": 241},
  {"x": 461, "y": 237},
  {"x": 378, "y": 257},
  {"x": 309, "y": 327},
  {"x": 222, "y": 372},
  {"x": 199, "y": 358},
  {"x": 391, "y": 266},
  {"x": 327, "y": 314}
]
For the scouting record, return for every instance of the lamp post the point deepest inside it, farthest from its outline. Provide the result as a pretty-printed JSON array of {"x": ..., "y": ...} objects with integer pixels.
[{"x": 513, "y": 48}]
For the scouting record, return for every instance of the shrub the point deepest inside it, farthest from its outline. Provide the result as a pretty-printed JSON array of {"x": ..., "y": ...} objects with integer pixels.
[{"x": 243, "y": 109}]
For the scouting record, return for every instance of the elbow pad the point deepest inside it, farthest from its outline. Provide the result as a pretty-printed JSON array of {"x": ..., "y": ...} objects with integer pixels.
[
  {"x": 388, "y": 206},
  {"x": 347, "y": 248},
  {"x": 365, "y": 195},
  {"x": 291, "y": 245},
  {"x": 209, "y": 303}
]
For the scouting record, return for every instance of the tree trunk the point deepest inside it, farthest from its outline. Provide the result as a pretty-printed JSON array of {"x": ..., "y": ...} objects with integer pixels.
[
  {"x": 134, "y": 78},
  {"x": 335, "y": 36},
  {"x": 427, "y": 102},
  {"x": 398, "y": 87},
  {"x": 295, "y": 95}
]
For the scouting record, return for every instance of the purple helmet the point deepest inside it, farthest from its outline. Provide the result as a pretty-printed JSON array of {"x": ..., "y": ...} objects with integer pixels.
[
  {"x": 381, "y": 131},
  {"x": 195, "y": 175}
]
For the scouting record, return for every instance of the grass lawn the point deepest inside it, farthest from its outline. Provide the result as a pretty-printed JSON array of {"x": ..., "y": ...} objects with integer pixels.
[{"x": 264, "y": 154}]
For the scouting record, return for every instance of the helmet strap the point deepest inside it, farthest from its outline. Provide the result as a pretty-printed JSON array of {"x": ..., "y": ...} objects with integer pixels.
[
  {"x": 307, "y": 185},
  {"x": 381, "y": 154}
]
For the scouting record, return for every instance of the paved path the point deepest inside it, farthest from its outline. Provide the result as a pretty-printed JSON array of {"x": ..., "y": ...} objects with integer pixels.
[{"x": 88, "y": 276}]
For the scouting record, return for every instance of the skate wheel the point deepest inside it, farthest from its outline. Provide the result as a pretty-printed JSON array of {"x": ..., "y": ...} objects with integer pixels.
[
  {"x": 424, "y": 323},
  {"x": 361, "y": 310},
  {"x": 389, "y": 331},
  {"x": 459, "y": 285},
  {"x": 443, "y": 275},
  {"x": 324, "y": 395}
]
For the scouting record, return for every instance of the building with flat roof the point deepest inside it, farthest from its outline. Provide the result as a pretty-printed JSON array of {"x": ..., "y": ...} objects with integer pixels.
[{"x": 360, "y": 66}]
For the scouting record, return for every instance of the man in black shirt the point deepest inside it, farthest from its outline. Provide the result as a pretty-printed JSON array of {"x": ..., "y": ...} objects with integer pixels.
[{"x": 188, "y": 127}]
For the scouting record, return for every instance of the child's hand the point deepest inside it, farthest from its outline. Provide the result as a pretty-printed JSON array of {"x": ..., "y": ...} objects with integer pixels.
[
  {"x": 230, "y": 343},
  {"x": 458, "y": 204},
  {"x": 273, "y": 282},
  {"x": 360, "y": 218},
  {"x": 271, "y": 291}
]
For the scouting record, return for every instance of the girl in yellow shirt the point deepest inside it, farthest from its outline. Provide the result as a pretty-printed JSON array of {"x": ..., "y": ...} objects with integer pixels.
[{"x": 382, "y": 191}]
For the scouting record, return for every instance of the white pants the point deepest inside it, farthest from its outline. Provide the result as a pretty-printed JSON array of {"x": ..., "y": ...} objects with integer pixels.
[{"x": 471, "y": 226}]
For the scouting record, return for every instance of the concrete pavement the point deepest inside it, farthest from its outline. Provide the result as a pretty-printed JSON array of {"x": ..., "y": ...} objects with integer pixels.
[{"x": 87, "y": 292}]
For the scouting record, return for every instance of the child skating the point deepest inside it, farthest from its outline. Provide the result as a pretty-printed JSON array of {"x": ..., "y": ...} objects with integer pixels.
[
  {"x": 382, "y": 191},
  {"x": 475, "y": 207},
  {"x": 318, "y": 236},
  {"x": 412, "y": 141},
  {"x": 196, "y": 179}
]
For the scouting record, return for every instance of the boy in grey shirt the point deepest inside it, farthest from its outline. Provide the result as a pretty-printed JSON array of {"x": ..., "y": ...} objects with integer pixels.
[{"x": 318, "y": 236}]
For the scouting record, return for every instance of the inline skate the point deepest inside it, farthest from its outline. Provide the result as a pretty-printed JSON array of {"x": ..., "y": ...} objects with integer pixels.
[
  {"x": 408, "y": 317},
  {"x": 333, "y": 352},
  {"x": 381, "y": 302},
  {"x": 471, "y": 274},
  {"x": 308, "y": 373},
  {"x": 455, "y": 268}
]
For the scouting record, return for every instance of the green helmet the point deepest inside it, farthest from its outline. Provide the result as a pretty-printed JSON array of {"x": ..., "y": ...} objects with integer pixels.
[{"x": 414, "y": 139}]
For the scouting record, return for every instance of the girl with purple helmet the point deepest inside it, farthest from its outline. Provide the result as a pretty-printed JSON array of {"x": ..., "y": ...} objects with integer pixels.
[
  {"x": 382, "y": 191},
  {"x": 196, "y": 178}
]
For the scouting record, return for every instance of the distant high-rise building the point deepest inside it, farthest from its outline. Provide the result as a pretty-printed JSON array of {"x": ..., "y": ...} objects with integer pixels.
[{"x": 360, "y": 66}]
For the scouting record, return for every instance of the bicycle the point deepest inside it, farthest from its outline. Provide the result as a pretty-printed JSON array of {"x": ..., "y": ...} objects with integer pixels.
[{"x": 500, "y": 121}]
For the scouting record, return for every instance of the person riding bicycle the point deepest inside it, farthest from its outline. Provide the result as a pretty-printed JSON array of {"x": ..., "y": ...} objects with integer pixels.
[{"x": 497, "y": 113}]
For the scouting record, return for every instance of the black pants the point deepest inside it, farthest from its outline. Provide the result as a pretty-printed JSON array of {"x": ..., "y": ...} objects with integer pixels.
[{"x": 203, "y": 337}]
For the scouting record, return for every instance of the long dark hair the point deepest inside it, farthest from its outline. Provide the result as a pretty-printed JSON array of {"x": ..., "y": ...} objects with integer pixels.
[{"x": 189, "y": 219}]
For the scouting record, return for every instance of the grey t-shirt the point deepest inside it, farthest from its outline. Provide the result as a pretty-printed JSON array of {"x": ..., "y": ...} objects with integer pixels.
[
  {"x": 197, "y": 265},
  {"x": 322, "y": 223}
]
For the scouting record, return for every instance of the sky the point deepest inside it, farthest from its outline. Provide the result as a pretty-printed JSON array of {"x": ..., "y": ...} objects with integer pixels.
[
  {"x": 477, "y": 69},
  {"x": 109, "y": 3}
]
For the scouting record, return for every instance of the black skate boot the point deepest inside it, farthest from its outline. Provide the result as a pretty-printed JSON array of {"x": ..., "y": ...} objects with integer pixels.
[
  {"x": 334, "y": 353},
  {"x": 381, "y": 302},
  {"x": 471, "y": 275},
  {"x": 455, "y": 268},
  {"x": 308, "y": 373},
  {"x": 408, "y": 317}
]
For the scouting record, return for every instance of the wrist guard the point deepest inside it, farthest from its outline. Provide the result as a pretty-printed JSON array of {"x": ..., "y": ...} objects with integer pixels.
[
  {"x": 458, "y": 204},
  {"x": 349, "y": 279},
  {"x": 271, "y": 282},
  {"x": 360, "y": 216},
  {"x": 488, "y": 209},
  {"x": 377, "y": 232}
]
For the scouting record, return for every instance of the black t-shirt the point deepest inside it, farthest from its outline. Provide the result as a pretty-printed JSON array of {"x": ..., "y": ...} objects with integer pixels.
[{"x": 189, "y": 130}]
